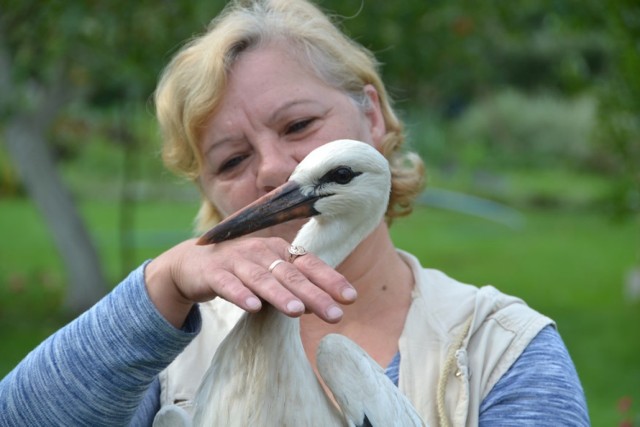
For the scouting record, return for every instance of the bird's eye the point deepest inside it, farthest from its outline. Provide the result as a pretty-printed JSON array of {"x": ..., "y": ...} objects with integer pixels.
[{"x": 340, "y": 175}]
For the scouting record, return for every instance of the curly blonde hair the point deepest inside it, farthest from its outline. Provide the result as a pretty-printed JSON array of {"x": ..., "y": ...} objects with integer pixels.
[{"x": 192, "y": 86}]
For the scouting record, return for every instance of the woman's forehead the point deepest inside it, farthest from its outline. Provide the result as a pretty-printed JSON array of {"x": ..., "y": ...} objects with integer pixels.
[
  {"x": 267, "y": 81},
  {"x": 272, "y": 63}
]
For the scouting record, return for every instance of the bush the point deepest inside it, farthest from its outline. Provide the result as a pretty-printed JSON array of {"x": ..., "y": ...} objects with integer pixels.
[
  {"x": 514, "y": 130},
  {"x": 10, "y": 184}
]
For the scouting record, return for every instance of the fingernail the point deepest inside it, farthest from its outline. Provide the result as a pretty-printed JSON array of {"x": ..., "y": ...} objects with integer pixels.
[
  {"x": 349, "y": 294},
  {"x": 253, "y": 303},
  {"x": 295, "y": 306},
  {"x": 334, "y": 312}
]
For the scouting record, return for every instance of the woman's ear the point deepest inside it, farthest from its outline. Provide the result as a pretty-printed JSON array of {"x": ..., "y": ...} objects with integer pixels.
[{"x": 373, "y": 113}]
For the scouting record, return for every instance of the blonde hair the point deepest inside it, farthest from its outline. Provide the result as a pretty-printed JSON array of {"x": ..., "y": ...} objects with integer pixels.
[{"x": 192, "y": 85}]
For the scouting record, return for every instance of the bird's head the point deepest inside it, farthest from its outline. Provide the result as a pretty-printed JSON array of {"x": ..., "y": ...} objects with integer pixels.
[{"x": 343, "y": 183}]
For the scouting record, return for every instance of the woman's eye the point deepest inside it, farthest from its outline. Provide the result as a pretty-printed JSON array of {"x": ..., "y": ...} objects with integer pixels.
[
  {"x": 231, "y": 163},
  {"x": 298, "y": 126}
]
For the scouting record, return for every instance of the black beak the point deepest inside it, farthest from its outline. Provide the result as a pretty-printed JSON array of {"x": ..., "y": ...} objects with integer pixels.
[{"x": 283, "y": 204}]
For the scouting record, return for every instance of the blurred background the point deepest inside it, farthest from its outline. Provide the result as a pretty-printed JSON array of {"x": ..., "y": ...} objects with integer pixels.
[{"x": 527, "y": 114}]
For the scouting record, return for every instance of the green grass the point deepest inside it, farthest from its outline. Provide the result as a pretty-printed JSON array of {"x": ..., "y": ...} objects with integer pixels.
[{"x": 567, "y": 265}]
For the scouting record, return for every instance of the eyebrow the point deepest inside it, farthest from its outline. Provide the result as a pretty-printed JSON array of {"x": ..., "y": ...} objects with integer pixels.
[
  {"x": 274, "y": 116},
  {"x": 218, "y": 142}
]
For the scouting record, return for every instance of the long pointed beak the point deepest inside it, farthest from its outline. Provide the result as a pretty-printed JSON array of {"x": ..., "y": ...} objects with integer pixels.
[{"x": 283, "y": 204}]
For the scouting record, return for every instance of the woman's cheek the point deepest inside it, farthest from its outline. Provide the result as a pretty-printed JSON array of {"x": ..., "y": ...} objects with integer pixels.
[
  {"x": 228, "y": 198},
  {"x": 215, "y": 195}
]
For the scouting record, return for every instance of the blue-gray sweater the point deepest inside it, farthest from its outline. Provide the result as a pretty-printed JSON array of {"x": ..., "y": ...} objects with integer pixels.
[{"x": 101, "y": 369}]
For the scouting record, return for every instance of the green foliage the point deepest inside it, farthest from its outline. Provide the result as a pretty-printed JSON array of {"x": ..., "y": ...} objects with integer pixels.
[
  {"x": 10, "y": 184},
  {"x": 112, "y": 50},
  {"x": 439, "y": 56},
  {"x": 619, "y": 132},
  {"x": 444, "y": 53},
  {"x": 510, "y": 131},
  {"x": 519, "y": 131}
]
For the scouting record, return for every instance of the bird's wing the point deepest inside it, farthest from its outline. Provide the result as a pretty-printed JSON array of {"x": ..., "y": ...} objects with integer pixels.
[
  {"x": 361, "y": 388},
  {"x": 172, "y": 416}
]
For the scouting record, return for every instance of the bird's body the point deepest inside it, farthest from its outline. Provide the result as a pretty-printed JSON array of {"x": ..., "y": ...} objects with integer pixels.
[
  {"x": 260, "y": 374},
  {"x": 250, "y": 366}
]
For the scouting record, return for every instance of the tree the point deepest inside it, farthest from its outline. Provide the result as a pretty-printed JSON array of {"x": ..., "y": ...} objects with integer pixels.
[
  {"x": 619, "y": 134},
  {"x": 93, "y": 54},
  {"x": 28, "y": 110}
]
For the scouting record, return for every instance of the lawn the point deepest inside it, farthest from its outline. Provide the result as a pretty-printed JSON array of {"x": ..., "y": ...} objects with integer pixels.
[{"x": 569, "y": 265}]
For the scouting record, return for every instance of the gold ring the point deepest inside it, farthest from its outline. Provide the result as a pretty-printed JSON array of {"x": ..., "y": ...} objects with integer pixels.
[{"x": 274, "y": 264}]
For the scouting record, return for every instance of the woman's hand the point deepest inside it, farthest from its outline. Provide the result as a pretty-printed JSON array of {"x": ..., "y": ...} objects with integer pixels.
[{"x": 238, "y": 271}]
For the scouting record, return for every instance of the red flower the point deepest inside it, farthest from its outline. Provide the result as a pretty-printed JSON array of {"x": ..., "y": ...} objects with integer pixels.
[{"x": 624, "y": 404}]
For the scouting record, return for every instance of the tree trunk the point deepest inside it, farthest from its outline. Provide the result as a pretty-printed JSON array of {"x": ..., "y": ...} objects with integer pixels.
[
  {"x": 27, "y": 110},
  {"x": 29, "y": 151}
]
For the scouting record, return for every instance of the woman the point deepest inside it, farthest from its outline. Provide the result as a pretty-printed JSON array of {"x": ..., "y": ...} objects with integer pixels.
[{"x": 239, "y": 107}]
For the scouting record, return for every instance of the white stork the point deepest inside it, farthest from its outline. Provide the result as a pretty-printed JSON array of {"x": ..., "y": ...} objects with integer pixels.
[{"x": 260, "y": 375}]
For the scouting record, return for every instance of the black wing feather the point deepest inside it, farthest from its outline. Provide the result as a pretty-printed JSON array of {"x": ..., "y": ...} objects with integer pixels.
[{"x": 365, "y": 422}]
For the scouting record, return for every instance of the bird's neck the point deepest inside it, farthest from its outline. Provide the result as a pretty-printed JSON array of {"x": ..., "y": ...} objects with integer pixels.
[
  {"x": 333, "y": 239},
  {"x": 385, "y": 284}
]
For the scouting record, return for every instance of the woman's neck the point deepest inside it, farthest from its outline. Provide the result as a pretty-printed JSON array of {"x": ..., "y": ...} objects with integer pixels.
[
  {"x": 376, "y": 269},
  {"x": 384, "y": 283}
]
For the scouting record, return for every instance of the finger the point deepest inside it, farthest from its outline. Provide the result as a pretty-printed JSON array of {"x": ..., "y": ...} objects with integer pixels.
[
  {"x": 264, "y": 284},
  {"x": 230, "y": 288},
  {"x": 326, "y": 278},
  {"x": 315, "y": 299}
]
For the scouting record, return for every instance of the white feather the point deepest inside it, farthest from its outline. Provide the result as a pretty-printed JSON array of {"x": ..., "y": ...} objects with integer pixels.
[{"x": 361, "y": 387}]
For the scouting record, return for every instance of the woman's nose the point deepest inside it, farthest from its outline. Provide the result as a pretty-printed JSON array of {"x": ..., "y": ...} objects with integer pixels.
[{"x": 275, "y": 165}]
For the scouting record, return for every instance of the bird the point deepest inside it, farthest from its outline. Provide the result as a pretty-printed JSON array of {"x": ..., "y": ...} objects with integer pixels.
[{"x": 260, "y": 374}]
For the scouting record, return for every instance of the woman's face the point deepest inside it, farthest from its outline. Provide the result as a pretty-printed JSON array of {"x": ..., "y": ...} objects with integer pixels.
[{"x": 273, "y": 114}]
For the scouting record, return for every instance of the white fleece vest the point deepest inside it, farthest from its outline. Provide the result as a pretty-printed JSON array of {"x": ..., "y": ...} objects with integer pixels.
[{"x": 457, "y": 342}]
